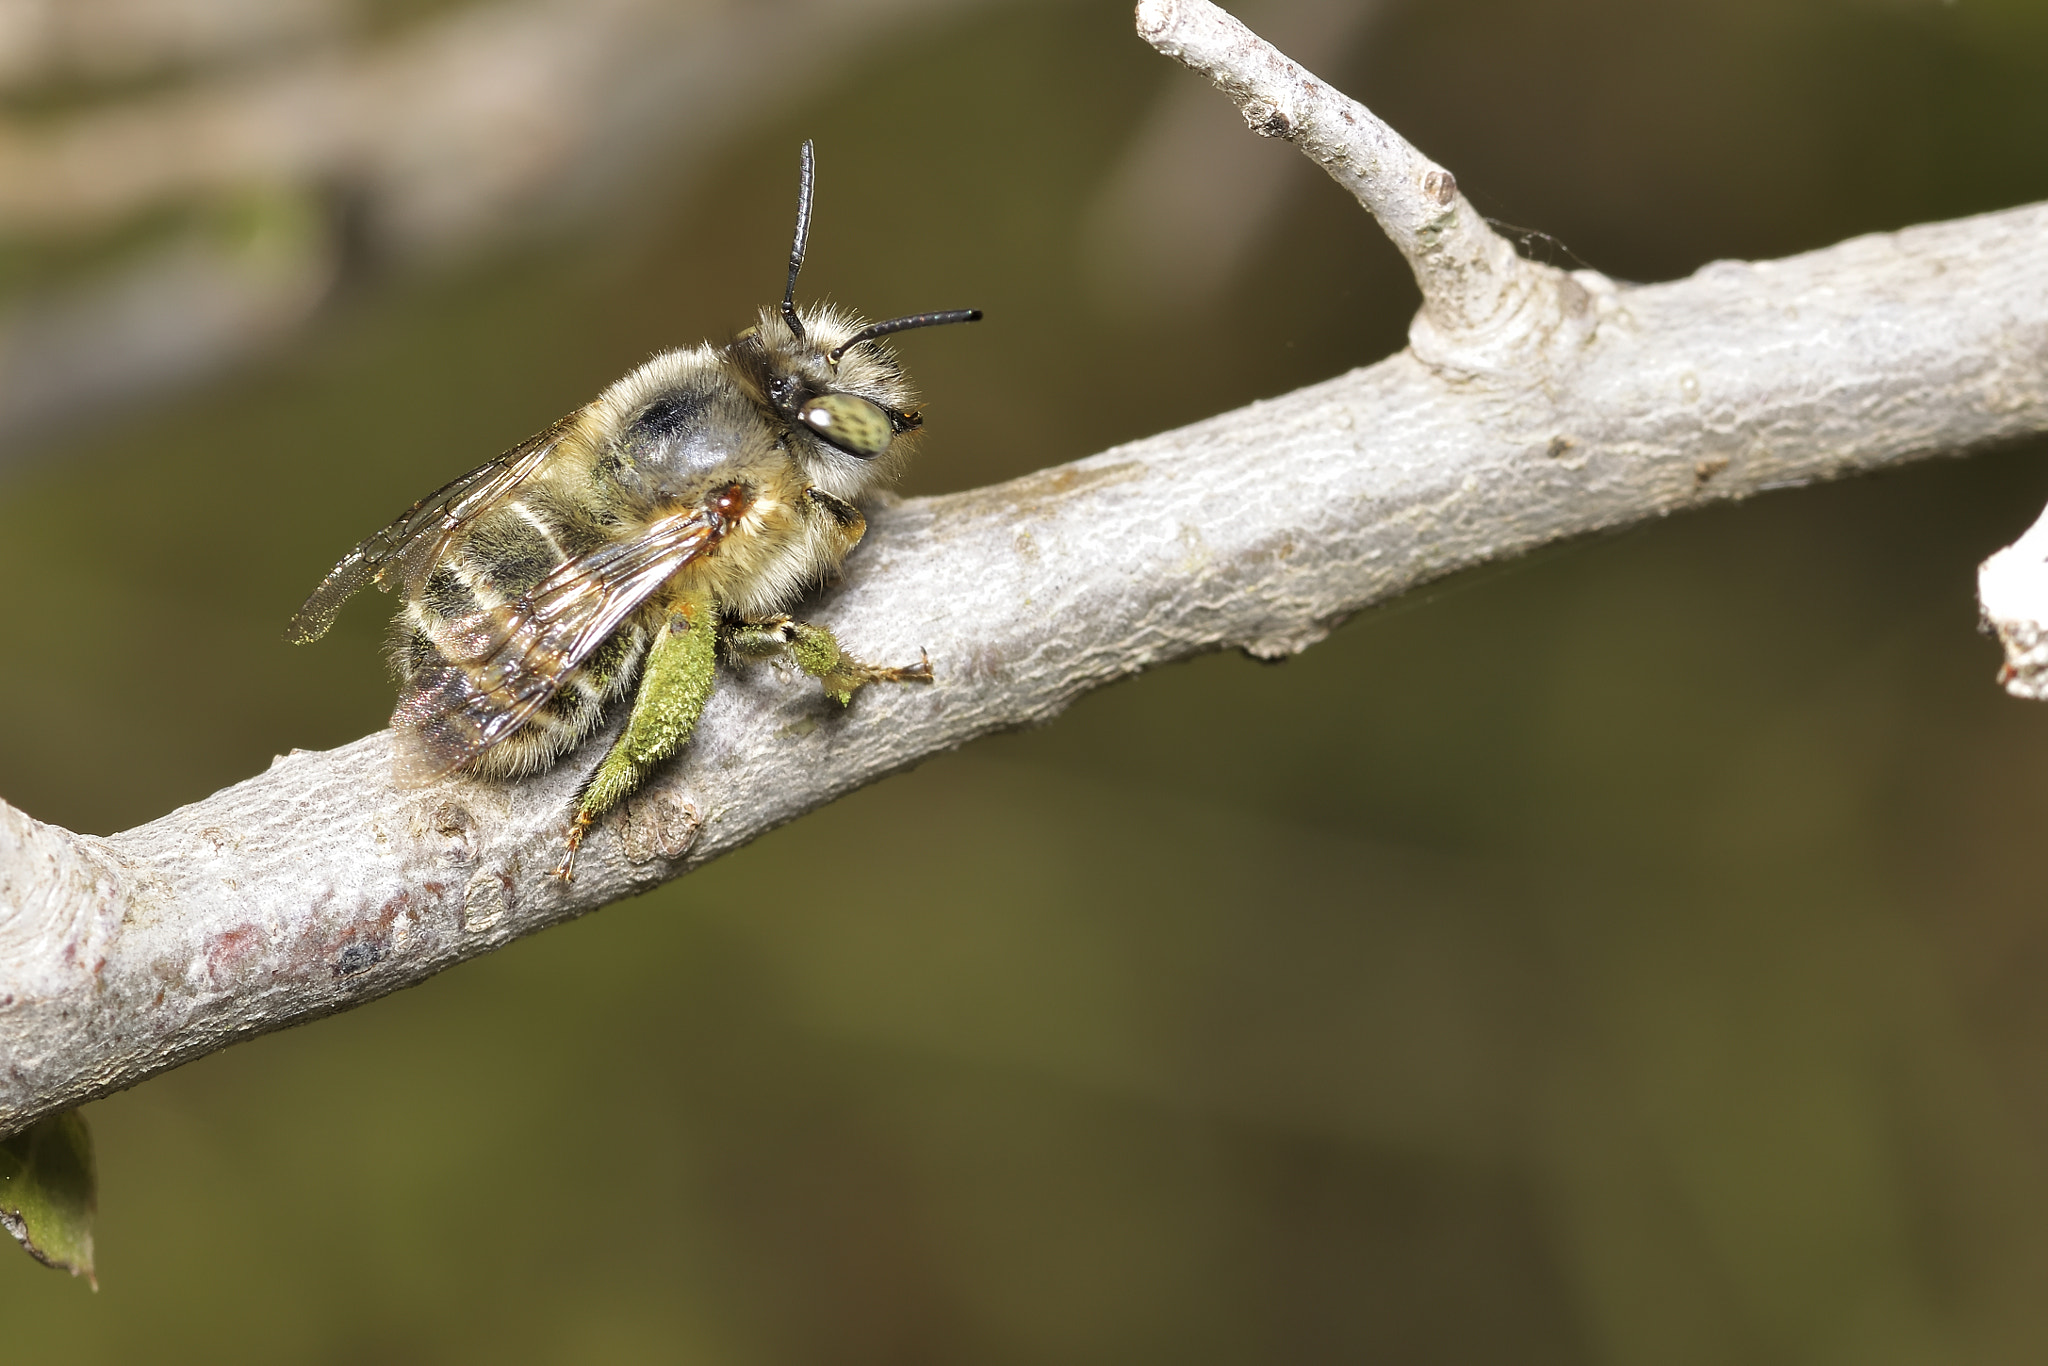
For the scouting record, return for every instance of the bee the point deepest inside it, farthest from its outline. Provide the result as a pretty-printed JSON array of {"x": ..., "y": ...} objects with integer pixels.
[{"x": 626, "y": 548}]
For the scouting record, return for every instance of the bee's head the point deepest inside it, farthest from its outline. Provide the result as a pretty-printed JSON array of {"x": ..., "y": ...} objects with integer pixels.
[{"x": 829, "y": 376}]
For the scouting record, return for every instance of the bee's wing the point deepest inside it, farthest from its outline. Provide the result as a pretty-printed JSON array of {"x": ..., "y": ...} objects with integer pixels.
[
  {"x": 417, "y": 536},
  {"x": 499, "y": 666}
]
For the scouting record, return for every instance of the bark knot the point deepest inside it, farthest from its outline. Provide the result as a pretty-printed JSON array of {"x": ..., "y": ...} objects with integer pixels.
[{"x": 1268, "y": 120}]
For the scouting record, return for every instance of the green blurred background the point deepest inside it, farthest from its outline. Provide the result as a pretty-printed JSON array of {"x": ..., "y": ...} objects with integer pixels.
[{"x": 1634, "y": 954}]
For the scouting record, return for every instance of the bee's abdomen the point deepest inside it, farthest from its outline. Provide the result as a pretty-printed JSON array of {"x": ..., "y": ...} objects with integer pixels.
[
  {"x": 502, "y": 557},
  {"x": 522, "y": 542}
]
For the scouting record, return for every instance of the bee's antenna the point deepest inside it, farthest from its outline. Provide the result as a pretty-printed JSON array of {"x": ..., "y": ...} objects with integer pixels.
[
  {"x": 903, "y": 324},
  {"x": 805, "y": 182}
]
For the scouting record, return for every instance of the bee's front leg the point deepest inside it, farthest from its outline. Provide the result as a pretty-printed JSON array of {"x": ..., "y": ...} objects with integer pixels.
[
  {"x": 675, "y": 683},
  {"x": 817, "y": 653}
]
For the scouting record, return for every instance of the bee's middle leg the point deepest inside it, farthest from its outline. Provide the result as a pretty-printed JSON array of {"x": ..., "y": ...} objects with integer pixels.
[
  {"x": 816, "y": 651},
  {"x": 675, "y": 682}
]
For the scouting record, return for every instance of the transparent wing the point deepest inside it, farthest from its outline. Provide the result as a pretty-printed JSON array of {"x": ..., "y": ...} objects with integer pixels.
[
  {"x": 498, "y": 667},
  {"x": 417, "y": 536}
]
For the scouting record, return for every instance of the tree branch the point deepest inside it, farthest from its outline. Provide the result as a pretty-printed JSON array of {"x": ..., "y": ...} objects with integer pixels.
[{"x": 1533, "y": 405}]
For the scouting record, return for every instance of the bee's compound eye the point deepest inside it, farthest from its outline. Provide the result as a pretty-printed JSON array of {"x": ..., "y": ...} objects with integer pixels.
[{"x": 854, "y": 425}]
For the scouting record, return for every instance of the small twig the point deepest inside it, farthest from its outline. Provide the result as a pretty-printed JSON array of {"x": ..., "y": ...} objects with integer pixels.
[
  {"x": 2012, "y": 591},
  {"x": 1483, "y": 306}
]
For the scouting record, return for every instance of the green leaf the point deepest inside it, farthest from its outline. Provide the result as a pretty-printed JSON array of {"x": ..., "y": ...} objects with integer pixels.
[{"x": 49, "y": 1192}]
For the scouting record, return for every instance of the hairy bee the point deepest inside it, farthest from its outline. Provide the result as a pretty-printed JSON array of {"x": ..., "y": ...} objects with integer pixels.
[{"x": 625, "y": 548}]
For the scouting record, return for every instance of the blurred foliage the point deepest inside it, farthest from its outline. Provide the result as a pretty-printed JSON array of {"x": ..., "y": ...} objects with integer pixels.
[
  {"x": 48, "y": 1192},
  {"x": 1628, "y": 955}
]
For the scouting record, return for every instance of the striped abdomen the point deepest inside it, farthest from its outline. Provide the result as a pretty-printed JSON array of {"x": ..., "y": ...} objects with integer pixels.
[{"x": 496, "y": 561}]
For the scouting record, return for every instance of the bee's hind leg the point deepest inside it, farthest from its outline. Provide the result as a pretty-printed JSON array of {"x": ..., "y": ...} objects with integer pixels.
[
  {"x": 675, "y": 683},
  {"x": 817, "y": 653}
]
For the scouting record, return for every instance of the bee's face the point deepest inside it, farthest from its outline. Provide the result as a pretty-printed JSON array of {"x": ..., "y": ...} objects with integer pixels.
[{"x": 847, "y": 413}]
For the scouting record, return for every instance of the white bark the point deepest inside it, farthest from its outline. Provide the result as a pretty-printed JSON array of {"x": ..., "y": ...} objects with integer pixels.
[
  {"x": 1533, "y": 405},
  {"x": 2012, "y": 591}
]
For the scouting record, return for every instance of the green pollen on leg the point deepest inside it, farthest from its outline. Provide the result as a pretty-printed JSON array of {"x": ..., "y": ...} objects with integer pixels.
[
  {"x": 814, "y": 649},
  {"x": 675, "y": 683}
]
